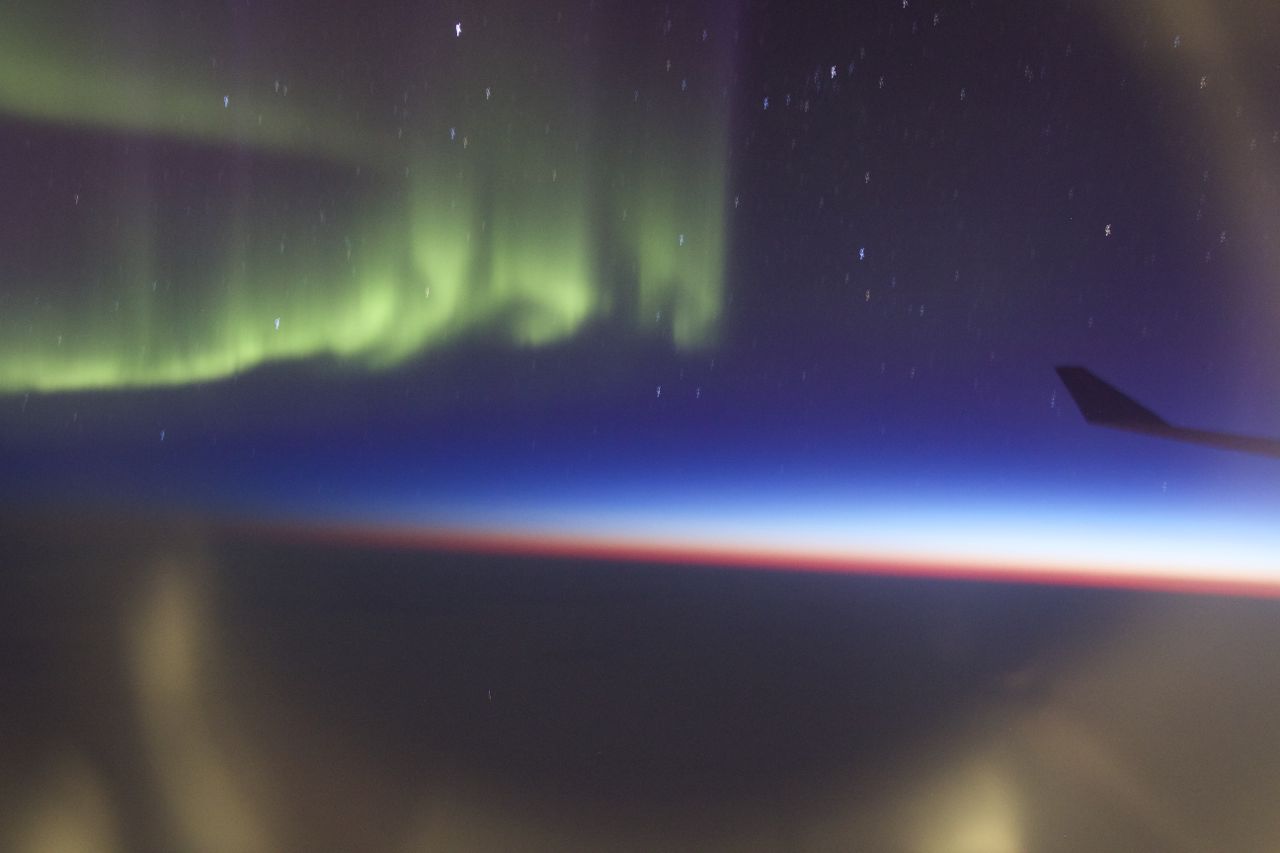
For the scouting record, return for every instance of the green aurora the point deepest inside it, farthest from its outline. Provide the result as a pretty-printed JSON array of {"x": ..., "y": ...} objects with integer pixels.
[{"x": 519, "y": 206}]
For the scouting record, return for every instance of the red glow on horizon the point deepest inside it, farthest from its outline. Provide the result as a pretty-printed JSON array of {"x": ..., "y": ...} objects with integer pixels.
[{"x": 633, "y": 551}]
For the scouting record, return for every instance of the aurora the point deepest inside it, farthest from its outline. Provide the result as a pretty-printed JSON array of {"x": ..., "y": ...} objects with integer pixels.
[{"x": 246, "y": 220}]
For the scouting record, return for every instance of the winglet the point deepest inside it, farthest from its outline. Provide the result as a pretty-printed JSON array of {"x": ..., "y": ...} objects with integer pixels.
[{"x": 1104, "y": 405}]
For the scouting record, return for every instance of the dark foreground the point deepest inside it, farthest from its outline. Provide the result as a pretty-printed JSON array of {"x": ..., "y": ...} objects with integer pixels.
[{"x": 178, "y": 686}]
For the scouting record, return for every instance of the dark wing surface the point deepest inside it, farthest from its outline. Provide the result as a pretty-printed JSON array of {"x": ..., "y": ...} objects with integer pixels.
[{"x": 1104, "y": 405}]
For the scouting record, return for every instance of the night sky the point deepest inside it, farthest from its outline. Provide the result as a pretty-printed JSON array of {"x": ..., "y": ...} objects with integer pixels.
[
  {"x": 773, "y": 284},
  {"x": 531, "y": 425}
]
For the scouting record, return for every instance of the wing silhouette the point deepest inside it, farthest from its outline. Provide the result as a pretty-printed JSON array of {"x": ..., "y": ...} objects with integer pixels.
[{"x": 1104, "y": 405}]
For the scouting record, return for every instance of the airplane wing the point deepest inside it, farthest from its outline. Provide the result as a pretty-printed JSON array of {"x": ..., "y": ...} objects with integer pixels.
[{"x": 1103, "y": 405}]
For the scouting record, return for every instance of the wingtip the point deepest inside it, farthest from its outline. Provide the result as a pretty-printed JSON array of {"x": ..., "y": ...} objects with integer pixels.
[{"x": 1102, "y": 403}]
